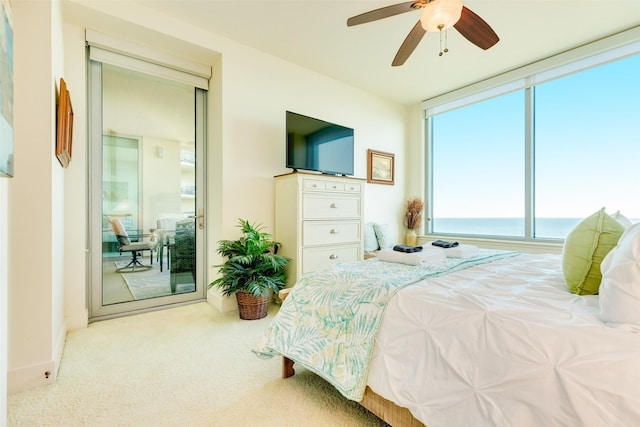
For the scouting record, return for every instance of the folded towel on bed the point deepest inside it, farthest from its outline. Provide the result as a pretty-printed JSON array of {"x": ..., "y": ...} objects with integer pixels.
[
  {"x": 460, "y": 251},
  {"x": 426, "y": 257}
]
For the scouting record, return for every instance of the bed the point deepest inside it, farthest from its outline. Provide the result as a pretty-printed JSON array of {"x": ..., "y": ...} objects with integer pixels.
[{"x": 496, "y": 341}]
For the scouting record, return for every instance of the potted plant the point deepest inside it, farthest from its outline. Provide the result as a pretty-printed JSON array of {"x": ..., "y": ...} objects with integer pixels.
[{"x": 253, "y": 270}]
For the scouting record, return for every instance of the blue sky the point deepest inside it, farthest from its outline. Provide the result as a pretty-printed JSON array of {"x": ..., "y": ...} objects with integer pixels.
[{"x": 587, "y": 132}]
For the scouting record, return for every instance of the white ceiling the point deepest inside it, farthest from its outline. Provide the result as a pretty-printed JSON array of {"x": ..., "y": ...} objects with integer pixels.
[{"x": 314, "y": 34}]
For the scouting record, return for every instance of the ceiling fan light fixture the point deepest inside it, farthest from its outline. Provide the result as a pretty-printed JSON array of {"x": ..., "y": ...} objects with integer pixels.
[{"x": 438, "y": 15}]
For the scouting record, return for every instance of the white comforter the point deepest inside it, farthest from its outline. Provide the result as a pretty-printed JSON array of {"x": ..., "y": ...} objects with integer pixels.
[{"x": 505, "y": 344}]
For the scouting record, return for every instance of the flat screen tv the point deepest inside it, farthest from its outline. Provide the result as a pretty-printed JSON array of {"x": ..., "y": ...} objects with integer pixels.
[{"x": 317, "y": 145}]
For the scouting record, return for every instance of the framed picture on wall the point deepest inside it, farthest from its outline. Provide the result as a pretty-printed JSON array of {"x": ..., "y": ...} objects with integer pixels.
[
  {"x": 64, "y": 126},
  {"x": 380, "y": 167}
]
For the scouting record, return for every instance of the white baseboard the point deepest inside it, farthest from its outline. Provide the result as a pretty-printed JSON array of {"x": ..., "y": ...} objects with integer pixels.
[
  {"x": 39, "y": 374},
  {"x": 60, "y": 340},
  {"x": 32, "y": 376},
  {"x": 220, "y": 302},
  {"x": 78, "y": 320}
]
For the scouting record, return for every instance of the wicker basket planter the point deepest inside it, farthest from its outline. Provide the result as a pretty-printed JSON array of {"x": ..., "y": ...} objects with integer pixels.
[
  {"x": 252, "y": 307},
  {"x": 253, "y": 267}
]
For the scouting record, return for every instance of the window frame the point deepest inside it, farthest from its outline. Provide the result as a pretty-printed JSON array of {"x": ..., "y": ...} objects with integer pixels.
[{"x": 600, "y": 52}]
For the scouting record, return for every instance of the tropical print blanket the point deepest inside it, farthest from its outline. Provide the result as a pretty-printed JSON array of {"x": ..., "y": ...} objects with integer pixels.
[{"x": 330, "y": 319}]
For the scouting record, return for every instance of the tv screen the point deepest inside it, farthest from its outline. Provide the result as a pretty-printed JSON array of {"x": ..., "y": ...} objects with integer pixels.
[{"x": 316, "y": 145}]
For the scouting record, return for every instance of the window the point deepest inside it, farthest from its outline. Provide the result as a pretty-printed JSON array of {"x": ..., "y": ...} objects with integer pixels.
[
  {"x": 587, "y": 146},
  {"x": 478, "y": 169},
  {"x": 531, "y": 157}
]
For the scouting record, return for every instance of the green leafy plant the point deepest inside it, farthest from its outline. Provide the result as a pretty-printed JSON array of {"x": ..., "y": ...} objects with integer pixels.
[{"x": 252, "y": 265}]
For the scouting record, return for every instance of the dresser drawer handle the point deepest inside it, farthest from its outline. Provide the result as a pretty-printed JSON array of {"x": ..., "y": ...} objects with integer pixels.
[
  {"x": 333, "y": 206},
  {"x": 333, "y": 231},
  {"x": 334, "y": 256}
]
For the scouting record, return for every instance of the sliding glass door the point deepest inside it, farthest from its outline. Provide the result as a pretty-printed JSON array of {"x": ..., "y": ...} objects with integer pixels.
[{"x": 147, "y": 190}]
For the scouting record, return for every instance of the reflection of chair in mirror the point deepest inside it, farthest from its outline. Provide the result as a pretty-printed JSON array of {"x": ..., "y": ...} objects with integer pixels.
[
  {"x": 182, "y": 252},
  {"x": 126, "y": 245}
]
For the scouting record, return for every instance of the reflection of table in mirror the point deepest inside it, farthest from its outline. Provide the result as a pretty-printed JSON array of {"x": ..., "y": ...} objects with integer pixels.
[
  {"x": 165, "y": 240},
  {"x": 182, "y": 252}
]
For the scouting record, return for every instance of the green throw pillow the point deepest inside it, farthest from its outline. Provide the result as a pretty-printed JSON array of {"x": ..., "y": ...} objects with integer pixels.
[{"x": 584, "y": 249}]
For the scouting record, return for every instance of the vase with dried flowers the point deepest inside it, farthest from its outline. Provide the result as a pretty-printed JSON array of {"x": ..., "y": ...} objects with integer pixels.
[{"x": 412, "y": 219}]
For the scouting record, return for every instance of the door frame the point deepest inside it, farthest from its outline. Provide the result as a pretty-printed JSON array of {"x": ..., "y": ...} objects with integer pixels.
[{"x": 96, "y": 309}]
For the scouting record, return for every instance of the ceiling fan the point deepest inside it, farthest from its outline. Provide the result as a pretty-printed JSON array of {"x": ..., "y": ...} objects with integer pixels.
[{"x": 436, "y": 16}]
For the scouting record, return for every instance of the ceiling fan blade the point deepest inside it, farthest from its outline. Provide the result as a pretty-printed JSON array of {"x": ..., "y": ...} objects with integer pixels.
[
  {"x": 383, "y": 12},
  {"x": 476, "y": 30},
  {"x": 409, "y": 44}
]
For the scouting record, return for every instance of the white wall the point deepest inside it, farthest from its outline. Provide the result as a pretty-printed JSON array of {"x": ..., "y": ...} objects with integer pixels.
[
  {"x": 35, "y": 208},
  {"x": 256, "y": 92},
  {"x": 249, "y": 94},
  {"x": 415, "y": 174},
  {"x": 75, "y": 185},
  {"x": 4, "y": 339},
  {"x": 58, "y": 210},
  {"x": 161, "y": 177}
]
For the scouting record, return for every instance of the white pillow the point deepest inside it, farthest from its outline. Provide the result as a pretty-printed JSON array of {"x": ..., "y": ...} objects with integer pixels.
[
  {"x": 620, "y": 287},
  {"x": 383, "y": 234},
  {"x": 622, "y": 220},
  {"x": 370, "y": 241}
]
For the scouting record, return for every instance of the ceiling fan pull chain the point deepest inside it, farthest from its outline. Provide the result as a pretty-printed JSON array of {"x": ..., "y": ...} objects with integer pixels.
[{"x": 446, "y": 40}]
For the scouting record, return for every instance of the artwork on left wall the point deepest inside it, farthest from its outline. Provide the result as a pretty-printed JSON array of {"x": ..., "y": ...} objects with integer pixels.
[
  {"x": 6, "y": 90},
  {"x": 64, "y": 126}
]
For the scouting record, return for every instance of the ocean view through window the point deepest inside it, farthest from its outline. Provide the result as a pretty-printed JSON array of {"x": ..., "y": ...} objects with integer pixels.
[
  {"x": 547, "y": 227},
  {"x": 532, "y": 162}
]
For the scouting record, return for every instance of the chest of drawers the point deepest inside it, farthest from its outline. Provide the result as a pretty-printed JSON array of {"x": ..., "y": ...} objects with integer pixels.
[{"x": 318, "y": 221}]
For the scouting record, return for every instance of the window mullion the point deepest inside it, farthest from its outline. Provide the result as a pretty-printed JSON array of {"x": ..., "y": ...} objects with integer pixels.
[
  {"x": 529, "y": 166},
  {"x": 428, "y": 133}
]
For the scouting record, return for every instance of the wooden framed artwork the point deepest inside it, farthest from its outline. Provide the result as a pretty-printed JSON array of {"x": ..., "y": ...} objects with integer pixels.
[
  {"x": 64, "y": 126},
  {"x": 380, "y": 167}
]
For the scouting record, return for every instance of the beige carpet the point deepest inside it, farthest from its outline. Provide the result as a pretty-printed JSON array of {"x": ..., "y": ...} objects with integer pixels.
[{"x": 185, "y": 366}]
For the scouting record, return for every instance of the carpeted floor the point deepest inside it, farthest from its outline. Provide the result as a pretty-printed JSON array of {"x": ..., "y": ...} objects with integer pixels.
[{"x": 185, "y": 366}]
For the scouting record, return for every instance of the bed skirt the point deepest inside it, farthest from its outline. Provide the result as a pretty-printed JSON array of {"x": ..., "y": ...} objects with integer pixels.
[{"x": 384, "y": 409}]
